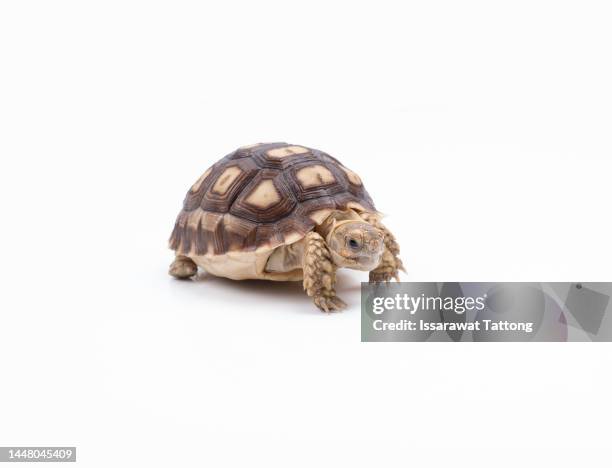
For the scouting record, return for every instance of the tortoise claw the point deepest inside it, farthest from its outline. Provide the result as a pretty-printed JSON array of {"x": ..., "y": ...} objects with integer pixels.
[{"x": 329, "y": 304}]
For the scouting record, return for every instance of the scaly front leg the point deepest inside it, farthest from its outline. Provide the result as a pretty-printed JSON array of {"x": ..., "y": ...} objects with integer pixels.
[
  {"x": 320, "y": 274},
  {"x": 390, "y": 264}
]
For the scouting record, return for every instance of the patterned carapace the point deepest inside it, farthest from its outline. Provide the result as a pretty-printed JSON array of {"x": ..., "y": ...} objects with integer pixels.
[{"x": 264, "y": 195}]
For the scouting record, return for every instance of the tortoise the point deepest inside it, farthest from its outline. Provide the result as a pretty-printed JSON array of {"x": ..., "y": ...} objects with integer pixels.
[{"x": 282, "y": 212}]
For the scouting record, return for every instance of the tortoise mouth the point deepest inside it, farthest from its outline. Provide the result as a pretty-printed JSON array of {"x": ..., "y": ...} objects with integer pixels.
[{"x": 362, "y": 262}]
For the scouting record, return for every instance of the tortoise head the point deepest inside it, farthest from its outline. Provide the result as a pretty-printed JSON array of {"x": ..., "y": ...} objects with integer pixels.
[{"x": 356, "y": 245}]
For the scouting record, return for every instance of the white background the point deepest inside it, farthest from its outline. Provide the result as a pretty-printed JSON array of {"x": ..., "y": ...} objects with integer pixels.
[{"x": 481, "y": 128}]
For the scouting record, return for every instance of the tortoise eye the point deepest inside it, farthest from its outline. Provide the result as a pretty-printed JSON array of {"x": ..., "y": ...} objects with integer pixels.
[{"x": 353, "y": 243}]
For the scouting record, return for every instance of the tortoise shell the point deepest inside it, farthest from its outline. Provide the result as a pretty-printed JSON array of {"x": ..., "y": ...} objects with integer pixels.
[{"x": 264, "y": 196}]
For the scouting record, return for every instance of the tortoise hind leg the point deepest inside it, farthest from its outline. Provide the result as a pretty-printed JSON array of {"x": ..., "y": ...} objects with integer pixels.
[{"x": 183, "y": 267}]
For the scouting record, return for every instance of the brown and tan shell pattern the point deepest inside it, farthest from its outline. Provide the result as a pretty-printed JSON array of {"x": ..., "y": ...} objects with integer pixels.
[{"x": 263, "y": 196}]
